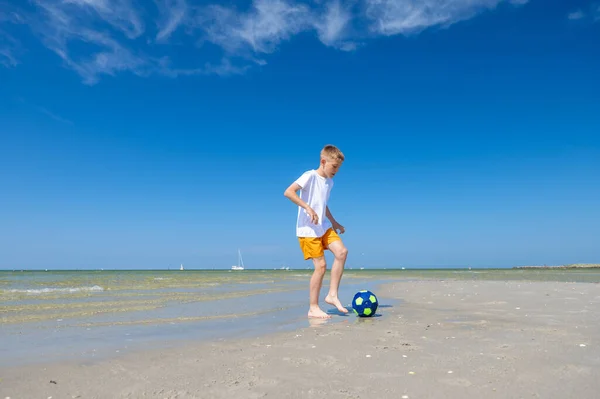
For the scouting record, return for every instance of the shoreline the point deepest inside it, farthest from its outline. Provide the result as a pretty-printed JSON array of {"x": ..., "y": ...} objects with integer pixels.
[
  {"x": 440, "y": 338},
  {"x": 570, "y": 266},
  {"x": 60, "y": 338}
]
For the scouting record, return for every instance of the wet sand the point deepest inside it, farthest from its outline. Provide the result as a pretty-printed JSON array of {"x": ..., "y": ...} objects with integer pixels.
[{"x": 434, "y": 339}]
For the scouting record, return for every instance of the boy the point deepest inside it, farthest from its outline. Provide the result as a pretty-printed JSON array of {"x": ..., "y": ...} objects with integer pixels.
[{"x": 317, "y": 229}]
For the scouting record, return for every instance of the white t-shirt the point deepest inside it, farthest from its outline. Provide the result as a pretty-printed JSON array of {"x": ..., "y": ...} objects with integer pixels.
[{"x": 315, "y": 192}]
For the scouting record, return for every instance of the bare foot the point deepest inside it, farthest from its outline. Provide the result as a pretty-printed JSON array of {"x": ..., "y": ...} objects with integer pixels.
[
  {"x": 333, "y": 300},
  {"x": 316, "y": 312}
]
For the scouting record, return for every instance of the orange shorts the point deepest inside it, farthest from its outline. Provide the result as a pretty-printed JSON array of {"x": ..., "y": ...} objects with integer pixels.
[{"x": 314, "y": 247}]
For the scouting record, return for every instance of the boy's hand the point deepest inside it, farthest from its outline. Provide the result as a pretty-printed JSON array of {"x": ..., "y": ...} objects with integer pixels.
[
  {"x": 314, "y": 218},
  {"x": 336, "y": 226}
]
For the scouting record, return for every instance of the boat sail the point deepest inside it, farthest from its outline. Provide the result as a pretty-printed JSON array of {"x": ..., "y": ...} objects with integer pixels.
[{"x": 240, "y": 265}]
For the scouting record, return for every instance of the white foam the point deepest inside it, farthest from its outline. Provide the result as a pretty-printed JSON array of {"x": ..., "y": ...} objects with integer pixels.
[{"x": 52, "y": 289}]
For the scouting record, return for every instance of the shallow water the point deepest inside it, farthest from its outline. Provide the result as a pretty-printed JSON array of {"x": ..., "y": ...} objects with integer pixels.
[
  {"x": 89, "y": 314},
  {"x": 66, "y": 314}
]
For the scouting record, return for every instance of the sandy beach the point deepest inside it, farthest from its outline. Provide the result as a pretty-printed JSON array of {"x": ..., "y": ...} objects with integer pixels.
[{"x": 430, "y": 339}]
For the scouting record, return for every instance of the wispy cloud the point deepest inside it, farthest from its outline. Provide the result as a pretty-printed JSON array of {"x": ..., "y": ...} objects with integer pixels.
[
  {"x": 107, "y": 37},
  {"x": 54, "y": 116},
  {"x": 44, "y": 111},
  {"x": 576, "y": 15},
  {"x": 333, "y": 26},
  {"x": 259, "y": 30},
  {"x": 9, "y": 45},
  {"x": 223, "y": 68},
  {"x": 121, "y": 14},
  {"x": 392, "y": 17},
  {"x": 592, "y": 14},
  {"x": 60, "y": 24},
  {"x": 173, "y": 14}
]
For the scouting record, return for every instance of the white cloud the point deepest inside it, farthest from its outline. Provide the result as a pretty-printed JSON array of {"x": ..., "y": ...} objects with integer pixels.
[
  {"x": 593, "y": 14},
  {"x": 106, "y": 37},
  {"x": 6, "y": 57},
  {"x": 54, "y": 116},
  {"x": 9, "y": 45},
  {"x": 392, "y": 17},
  {"x": 44, "y": 111},
  {"x": 119, "y": 13},
  {"x": 576, "y": 15},
  {"x": 333, "y": 25},
  {"x": 173, "y": 14},
  {"x": 260, "y": 30},
  {"x": 62, "y": 23},
  {"x": 114, "y": 58},
  {"x": 224, "y": 68}
]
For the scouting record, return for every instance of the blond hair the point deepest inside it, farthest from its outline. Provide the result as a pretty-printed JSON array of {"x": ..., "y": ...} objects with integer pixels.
[{"x": 332, "y": 153}]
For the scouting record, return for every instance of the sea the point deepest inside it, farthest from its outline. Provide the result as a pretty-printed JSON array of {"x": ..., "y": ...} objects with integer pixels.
[{"x": 92, "y": 314}]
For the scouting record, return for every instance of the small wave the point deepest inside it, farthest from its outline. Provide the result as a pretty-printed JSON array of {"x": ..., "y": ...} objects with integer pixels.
[{"x": 50, "y": 289}]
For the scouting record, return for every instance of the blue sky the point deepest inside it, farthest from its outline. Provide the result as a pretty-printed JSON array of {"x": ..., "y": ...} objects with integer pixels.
[{"x": 145, "y": 134}]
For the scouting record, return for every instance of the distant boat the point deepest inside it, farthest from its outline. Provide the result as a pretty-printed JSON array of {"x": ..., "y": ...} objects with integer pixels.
[
  {"x": 240, "y": 265},
  {"x": 181, "y": 267}
]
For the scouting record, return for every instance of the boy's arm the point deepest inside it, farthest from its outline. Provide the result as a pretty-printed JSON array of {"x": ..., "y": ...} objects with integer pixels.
[
  {"x": 329, "y": 215},
  {"x": 290, "y": 193},
  {"x": 334, "y": 223}
]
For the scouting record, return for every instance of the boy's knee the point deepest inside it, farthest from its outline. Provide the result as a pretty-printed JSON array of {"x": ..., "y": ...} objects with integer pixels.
[
  {"x": 343, "y": 253},
  {"x": 320, "y": 264}
]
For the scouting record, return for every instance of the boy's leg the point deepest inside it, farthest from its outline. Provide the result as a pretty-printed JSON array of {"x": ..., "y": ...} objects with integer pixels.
[
  {"x": 316, "y": 281},
  {"x": 340, "y": 252},
  {"x": 312, "y": 248}
]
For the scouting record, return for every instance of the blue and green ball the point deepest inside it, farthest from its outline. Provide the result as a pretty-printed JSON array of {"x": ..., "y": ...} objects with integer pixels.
[{"x": 365, "y": 303}]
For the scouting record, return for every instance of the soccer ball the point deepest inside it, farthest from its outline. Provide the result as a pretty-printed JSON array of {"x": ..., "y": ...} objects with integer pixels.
[{"x": 364, "y": 303}]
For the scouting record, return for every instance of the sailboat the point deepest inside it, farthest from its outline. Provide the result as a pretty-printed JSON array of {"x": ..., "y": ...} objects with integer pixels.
[
  {"x": 240, "y": 265},
  {"x": 181, "y": 267}
]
